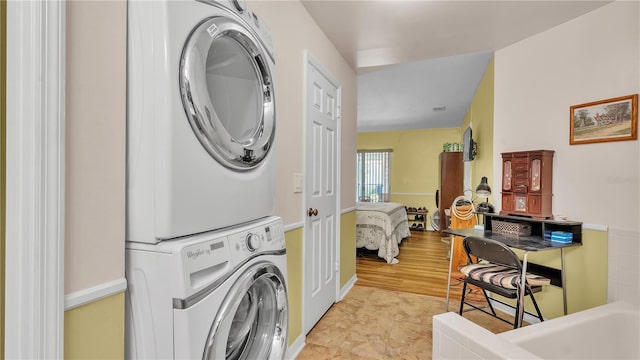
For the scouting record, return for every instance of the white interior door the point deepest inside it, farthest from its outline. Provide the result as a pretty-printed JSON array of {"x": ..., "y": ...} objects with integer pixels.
[{"x": 320, "y": 266}]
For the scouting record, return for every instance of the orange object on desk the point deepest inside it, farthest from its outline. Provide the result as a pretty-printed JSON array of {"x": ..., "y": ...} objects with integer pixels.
[{"x": 459, "y": 257}]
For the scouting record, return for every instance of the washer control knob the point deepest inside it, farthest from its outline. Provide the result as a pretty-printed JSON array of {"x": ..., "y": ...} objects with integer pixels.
[{"x": 253, "y": 242}]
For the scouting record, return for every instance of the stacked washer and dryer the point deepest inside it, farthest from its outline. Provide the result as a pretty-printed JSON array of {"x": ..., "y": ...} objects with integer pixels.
[{"x": 205, "y": 258}]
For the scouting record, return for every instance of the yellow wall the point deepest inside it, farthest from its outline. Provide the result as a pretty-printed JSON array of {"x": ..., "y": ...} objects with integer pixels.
[
  {"x": 95, "y": 330},
  {"x": 586, "y": 272},
  {"x": 293, "y": 241},
  {"x": 414, "y": 162},
  {"x": 480, "y": 115},
  {"x": 347, "y": 247}
]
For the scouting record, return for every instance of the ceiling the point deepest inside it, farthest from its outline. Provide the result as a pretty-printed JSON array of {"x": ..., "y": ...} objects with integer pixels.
[{"x": 414, "y": 58}]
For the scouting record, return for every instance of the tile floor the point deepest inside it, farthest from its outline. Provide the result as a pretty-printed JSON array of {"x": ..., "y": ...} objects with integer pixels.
[{"x": 378, "y": 324}]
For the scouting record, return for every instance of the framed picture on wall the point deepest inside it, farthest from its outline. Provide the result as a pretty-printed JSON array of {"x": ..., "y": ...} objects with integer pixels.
[{"x": 613, "y": 119}]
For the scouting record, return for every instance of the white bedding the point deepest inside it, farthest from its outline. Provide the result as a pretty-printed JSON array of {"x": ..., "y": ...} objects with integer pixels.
[{"x": 381, "y": 226}]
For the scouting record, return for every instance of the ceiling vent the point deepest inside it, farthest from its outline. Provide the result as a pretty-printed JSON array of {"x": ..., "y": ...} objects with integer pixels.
[{"x": 440, "y": 108}]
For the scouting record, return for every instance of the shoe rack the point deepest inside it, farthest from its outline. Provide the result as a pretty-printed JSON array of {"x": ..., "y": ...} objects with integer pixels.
[{"x": 417, "y": 218}]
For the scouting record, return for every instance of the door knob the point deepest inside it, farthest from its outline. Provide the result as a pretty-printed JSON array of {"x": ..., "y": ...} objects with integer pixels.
[{"x": 312, "y": 212}]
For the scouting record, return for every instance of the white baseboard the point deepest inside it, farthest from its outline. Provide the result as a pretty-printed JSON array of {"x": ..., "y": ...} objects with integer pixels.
[
  {"x": 347, "y": 287},
  {"x": 94, "y": 293},
  {"x": 294, "y": 350},
  {"x": 293, "y": 226},
  {"x": 596, "y": 227},
  {"x": 347, "y": 210}
]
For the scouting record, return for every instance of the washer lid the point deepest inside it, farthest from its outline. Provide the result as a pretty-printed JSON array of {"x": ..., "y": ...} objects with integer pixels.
[{"x": 227, "y": 92}]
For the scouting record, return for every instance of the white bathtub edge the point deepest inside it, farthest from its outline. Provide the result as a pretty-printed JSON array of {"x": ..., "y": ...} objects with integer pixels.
[
  {"x": 609, "y": 331},
  {"x": 455, "y": 337},
  {"x": 564, "y": 322}
]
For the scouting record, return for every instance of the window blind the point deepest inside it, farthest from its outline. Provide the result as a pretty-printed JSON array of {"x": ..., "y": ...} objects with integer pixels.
[{"x": 372, "y": 174}]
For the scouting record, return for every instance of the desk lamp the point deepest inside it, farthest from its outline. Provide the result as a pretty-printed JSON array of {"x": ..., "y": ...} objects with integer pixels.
[{"x": 484, "y": 190}]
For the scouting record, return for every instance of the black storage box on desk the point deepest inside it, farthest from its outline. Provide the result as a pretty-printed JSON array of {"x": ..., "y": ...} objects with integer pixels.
[{"x": 533, "y": 229}]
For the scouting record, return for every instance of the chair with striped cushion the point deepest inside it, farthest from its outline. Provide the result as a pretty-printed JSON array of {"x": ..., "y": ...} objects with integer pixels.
[{"x": 494, "y": 267}]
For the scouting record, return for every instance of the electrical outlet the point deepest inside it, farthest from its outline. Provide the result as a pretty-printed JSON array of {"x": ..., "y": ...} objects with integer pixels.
[{"x": 298, "y": 181}]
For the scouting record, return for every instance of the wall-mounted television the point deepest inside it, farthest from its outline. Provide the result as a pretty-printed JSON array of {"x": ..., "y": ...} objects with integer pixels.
[{"x": 469, "y": 148}]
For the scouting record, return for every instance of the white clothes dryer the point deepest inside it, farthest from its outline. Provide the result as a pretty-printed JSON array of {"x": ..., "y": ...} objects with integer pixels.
[
  {"x": 217, "y": 295},
  {"x": 200, "y": 118}
]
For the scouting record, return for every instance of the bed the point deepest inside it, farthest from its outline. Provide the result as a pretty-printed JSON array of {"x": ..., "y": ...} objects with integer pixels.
[{"x": 381, "y": 226}]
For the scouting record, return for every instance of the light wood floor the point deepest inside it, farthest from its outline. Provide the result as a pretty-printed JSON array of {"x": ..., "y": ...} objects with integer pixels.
[{"x": 422, "y": 269}]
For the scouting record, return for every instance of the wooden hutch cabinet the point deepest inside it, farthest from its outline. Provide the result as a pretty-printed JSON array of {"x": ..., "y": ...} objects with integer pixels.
[
  {"x": 451, "y": 183},
  {"x": 526, "y": 183}
]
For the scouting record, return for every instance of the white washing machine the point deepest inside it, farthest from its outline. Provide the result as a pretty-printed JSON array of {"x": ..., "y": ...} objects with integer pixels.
[
  {"x": 200, "y": 118},
  {"x": 217, "y": 295}
]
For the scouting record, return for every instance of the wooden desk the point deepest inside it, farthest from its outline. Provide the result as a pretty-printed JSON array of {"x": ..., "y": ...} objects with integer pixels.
[{"x": 535, "y": 242}]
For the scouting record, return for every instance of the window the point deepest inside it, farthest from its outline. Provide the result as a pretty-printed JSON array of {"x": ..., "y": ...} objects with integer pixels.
[{"x": 372, "y": 175}]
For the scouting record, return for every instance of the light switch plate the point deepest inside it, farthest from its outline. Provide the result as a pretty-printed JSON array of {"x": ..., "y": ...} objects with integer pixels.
[{"x": 298, "y": 181}]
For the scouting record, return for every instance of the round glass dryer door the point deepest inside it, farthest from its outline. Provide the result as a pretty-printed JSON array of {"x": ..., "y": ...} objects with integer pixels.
[
  {"x": 227, "y": 92},
  {"x": 252, "y": 322}
]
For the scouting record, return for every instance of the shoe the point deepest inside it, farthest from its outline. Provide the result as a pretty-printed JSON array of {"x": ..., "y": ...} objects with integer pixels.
[
  {"x": 414, "y": 226},
  {"x": 419, "y": 227}
]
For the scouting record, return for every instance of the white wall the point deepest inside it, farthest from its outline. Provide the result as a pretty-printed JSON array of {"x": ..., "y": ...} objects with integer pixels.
[
  {"x": 95, "y": 143},
  {"x": 293, "y": 31},
  {"x": 593, "y": 57}
]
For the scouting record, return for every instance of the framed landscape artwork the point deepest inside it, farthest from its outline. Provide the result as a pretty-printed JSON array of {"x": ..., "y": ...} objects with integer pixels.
[{"x": 613, "y": 119}]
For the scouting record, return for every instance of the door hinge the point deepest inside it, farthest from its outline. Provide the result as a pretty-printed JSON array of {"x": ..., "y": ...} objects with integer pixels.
[{"x": 337, "y": 266}]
